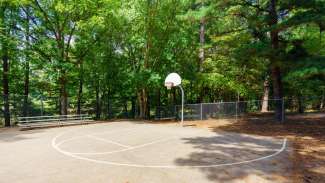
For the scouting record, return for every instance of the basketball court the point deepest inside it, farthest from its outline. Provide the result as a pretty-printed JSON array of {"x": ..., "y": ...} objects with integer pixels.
[{"x": 138, "y": 152}]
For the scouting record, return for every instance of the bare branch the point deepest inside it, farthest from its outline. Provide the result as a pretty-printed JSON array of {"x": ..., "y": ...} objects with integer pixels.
[
  {"x": 70, "y": 37},
  {"x": 48, "y": 21}
]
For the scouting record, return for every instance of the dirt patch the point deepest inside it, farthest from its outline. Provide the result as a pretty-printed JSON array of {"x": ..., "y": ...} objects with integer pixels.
[
  {"x": 305, "y": 132},
  {"x": 211, "y": 123}
]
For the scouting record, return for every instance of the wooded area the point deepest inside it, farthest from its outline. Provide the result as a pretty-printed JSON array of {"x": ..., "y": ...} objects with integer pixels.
[{"x": 99, "y": 53}]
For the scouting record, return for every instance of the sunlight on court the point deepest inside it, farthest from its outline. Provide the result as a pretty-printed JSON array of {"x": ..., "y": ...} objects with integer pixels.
[
  {"x": 159, "y": 146},
  {"x": 139, "y": 152}
]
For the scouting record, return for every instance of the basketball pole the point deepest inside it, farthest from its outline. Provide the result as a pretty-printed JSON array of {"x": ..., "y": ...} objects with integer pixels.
[
  {"x": 182, "y": 112},
  {"x": 172, "y": 80}
]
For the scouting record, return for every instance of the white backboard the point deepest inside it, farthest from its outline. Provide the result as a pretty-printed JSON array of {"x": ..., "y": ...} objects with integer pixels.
[{"x": 173, "y": 78}]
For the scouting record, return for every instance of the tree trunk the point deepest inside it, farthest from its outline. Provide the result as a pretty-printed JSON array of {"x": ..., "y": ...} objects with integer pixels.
[
  {"x": 277, "y": 92},
  {"x": 148, "y": 106},
  {"x": 275, "y": 68},
  {"x": 5, "y": 82},
  {"x": 143, "y": 102},
  {"x": 80, "y": 88},
  {"x": 63, "y": 76},
  {"x": 108, "y": 105},
  {"x": 142, "y": 93},
  {"x": 322, "y": 100},
  {"x": 26, "y": 88},
  {"x": 242, "y": 106},
  {"x": 126, "y": 109},
  {"x": 26, "y": 82},
  {"x": 98, "y": 110},
  {"x": 63, "y": 95},
  {"x": 201, "y": 54},
  {"x": 202, "y": 42},
  {"x": 5, "y": 66},
  {"x": 158, "y": 105},
  {"x": 321, "y": 29},
  {"x": 191, "y": 92},
  {"x": 133, "y": 107},
  {"x": 301, "y": 108},
  {"x": 265, "y": 100}
]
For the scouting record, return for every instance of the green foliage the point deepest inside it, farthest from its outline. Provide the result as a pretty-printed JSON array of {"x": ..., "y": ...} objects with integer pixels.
[{"x": 116, "y": 48}]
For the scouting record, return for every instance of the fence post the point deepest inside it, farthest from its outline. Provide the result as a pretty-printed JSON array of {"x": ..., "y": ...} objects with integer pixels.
[{"x": 201, "y": 112}]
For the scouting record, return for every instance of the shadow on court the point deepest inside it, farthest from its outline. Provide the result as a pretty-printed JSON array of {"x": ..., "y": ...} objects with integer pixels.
[
  {"x": 15, "y": 134},
  {"x": 235, "y": 147},
  {"x": 306, "y": 134}
]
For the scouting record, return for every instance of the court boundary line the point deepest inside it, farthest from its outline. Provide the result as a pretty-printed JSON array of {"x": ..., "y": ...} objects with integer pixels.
[
  {"x": 108, "y": 141},
  {"x": 76, "y": 156},
  {"x": 137, "y": 147},
  {"x": 118, "y": 151},
  {"x": 83, "y": 136}
]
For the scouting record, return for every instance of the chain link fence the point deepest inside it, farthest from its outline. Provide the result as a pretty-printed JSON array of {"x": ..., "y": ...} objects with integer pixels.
[
  {"x": 219, "y": 110},
  {"x": 240, "y": 109},
  {"x": 41, "y": 105}
]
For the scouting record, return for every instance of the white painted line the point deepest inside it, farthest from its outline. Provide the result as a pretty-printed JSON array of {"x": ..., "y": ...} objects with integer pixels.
[
  {"x": 123, "y": 150},
  {"x": 116, "y": 131},
  {"x": 75, "y": 155},
  {"x": 82, "y": 136},
  {"x": 169, "y": 166},
  {"x": 108, "y": 141}
]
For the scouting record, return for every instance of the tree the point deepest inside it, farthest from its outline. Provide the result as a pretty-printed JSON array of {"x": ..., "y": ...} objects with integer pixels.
[
  {"x": 5, "y": 59},
  {"x": 8, "y": 12},
  {"x": 60, "y": 19},
  {"x": 111, "y": 57}
]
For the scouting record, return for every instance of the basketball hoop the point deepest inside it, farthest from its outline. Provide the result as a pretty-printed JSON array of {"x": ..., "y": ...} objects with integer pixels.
[
  {"x": 172, "y": 80},
  {"x": 169, "y": 85}
]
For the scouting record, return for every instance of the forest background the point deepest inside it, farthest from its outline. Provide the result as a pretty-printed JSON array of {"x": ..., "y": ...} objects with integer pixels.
[{"x": 96, "y": 55}]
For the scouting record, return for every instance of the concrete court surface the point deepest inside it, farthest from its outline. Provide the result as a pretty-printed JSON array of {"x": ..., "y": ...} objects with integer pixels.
[{"x": 135, "y": 152}]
